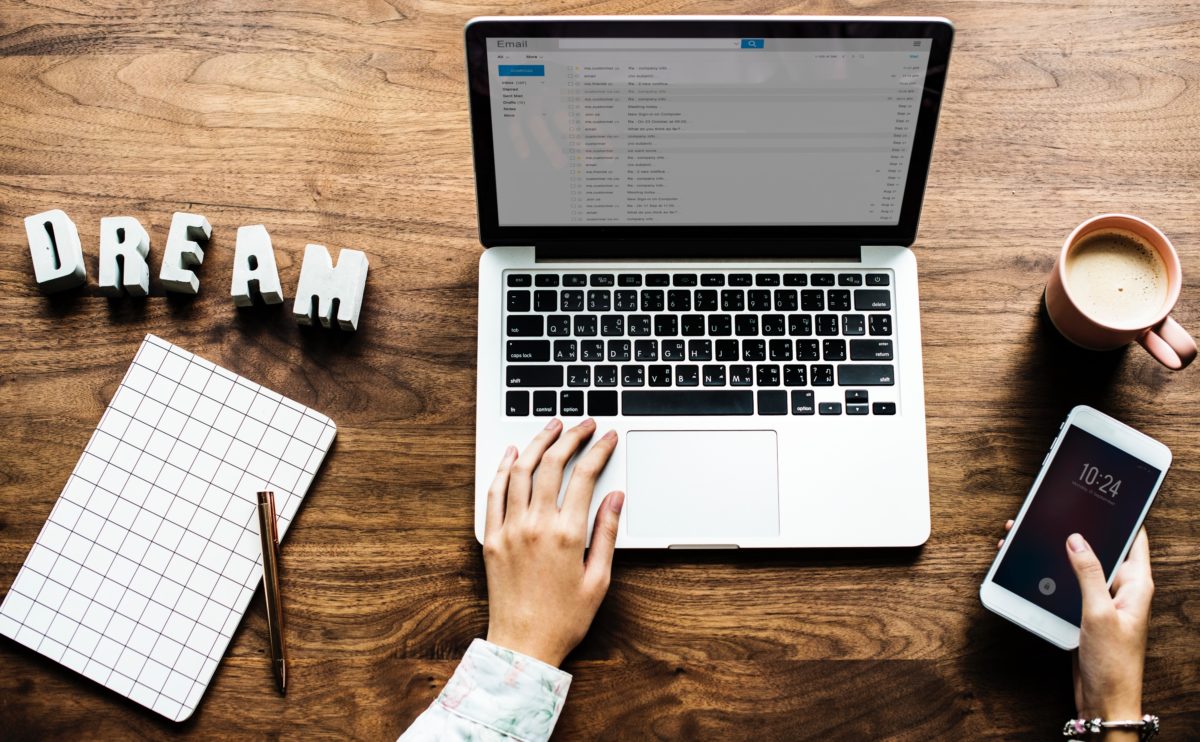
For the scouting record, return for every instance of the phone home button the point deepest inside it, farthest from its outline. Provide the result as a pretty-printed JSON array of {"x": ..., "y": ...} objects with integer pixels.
[{"x": 1047, "y": 586}]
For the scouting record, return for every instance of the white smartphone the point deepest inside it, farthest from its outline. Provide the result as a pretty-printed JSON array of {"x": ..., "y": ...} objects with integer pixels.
[{"x": 1098, "y": 480}]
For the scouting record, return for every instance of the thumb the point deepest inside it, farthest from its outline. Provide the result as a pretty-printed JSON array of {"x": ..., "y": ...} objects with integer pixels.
[
  {"x": 604, "y": 537},
  {"x": 1090, "y": 575}
]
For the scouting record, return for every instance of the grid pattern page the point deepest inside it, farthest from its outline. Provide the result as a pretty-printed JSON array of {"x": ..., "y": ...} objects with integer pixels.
[{"x": 151, "y": 553}]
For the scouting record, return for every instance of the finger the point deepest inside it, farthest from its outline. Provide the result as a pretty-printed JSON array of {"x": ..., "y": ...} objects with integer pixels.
[
  {"x": 548, "y": 480},
  {"x": 1008, "y": 526},
  {"x": 496, "y": 493},
  {"x": 999, "y": 544},
  {"x": 1133, "y": 582},
  {"x": 1090, "y": 574},
  {"x": 604, "y": 540},
  {"x": 520, "y": 481},
  {"x": 583, "y": 479}
]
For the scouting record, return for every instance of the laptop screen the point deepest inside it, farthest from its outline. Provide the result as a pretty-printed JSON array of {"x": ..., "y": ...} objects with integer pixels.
[{"x": 703, "y": 131}]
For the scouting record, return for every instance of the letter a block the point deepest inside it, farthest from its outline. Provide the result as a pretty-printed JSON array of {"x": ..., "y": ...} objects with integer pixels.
[
  {"x": 321, "y": 285},
  {"x": 56, "y": 252},
  {"x": 123, "y": 237},
  {"x": 183, "y": 251},
  {"x": 254, "y": 268}
]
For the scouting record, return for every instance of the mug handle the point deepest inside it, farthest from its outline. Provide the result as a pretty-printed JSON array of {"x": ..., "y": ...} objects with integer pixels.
[{"x": 1170, "y": 344}]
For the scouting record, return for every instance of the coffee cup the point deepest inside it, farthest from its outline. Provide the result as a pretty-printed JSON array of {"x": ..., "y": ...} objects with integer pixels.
[{"x": 1115, "y": 281}]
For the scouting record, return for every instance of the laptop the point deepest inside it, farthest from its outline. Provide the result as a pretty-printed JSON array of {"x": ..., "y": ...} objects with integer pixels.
[{"x": 698, "y": 231}]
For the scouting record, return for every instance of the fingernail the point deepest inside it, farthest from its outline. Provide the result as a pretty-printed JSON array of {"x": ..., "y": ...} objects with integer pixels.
[
  {"x": 616, "y": 502},
  {"x": 610, "y": 435},
  {"x": 552, "y": 424},
  {"x": 588, "y": 423},
  {"x": 1077, "y": 544},
  {"x": 510, "y": 453}
]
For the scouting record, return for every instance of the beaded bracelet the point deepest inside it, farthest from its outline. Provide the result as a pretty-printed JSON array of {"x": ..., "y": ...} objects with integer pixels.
[{"x": 1146, "y": 727}]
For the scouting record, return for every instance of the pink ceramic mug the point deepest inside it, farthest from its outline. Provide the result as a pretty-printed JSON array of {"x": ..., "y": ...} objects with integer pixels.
[{"x": 1163, "y": 338}]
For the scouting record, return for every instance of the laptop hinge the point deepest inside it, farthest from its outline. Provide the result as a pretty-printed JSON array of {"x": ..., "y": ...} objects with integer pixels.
[{"x": 729, "y": 250}]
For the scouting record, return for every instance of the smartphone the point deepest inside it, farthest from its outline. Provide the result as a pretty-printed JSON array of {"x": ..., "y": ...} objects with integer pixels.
[{"x": 1098, "y": 479}]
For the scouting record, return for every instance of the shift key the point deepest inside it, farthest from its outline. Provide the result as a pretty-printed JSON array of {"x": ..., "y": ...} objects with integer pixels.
[
  {"x": 540, "y": 376},
  {"x": 866, "y": 374}
]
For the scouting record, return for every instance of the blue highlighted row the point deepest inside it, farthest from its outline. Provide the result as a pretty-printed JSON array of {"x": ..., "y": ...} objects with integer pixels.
[{"x": 522, "y": 70}]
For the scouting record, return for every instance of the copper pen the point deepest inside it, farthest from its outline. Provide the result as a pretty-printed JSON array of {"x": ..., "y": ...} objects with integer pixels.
[{"x": 268, "y": 530}]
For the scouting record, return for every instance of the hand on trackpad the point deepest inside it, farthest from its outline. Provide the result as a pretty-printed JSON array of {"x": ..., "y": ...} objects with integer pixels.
[{"x": 697, "y": 487}]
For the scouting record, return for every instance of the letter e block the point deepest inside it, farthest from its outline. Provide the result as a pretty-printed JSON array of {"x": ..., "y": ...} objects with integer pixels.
[{"x": 183, "y": 251}]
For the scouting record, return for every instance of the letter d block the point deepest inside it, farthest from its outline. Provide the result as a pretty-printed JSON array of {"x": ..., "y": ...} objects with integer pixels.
[
  {"x": 321, "y": 285},
  {"x": 56, "y": 252}
]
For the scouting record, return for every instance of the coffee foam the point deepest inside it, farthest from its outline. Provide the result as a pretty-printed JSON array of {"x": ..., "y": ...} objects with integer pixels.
[{"x": 1117, "y": 279}]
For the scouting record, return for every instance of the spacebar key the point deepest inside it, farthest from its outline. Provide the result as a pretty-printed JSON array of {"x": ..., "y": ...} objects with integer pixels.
[{"x": 688, "y": 402}]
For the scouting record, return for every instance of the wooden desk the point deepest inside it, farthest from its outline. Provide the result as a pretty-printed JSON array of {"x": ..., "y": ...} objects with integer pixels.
[{"x": 346, "y": 124}]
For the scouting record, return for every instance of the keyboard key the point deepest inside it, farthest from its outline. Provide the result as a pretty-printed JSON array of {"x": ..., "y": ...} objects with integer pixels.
[
  {"x": 827, "y": 324},
  {"x": 821, "y": 374},
  {"x": 795, "y": 374},
  {"x": 612, "y": 325},
  {"x": 856, "y": 396},
  {"x": 713, "y": 375},
  {"x": 605, "y": 376},
  {"x": 653, "y": 300},
  {"x": 691, "y": 325},
  {"x": 659, "y": 375},
  {"x": 526, "y": 376},
  {"x": 830, "y": 408},
  {"x": 570, "y": 404},
  {"x": 802, "y": 402},
  {"x": 516, "y": 404},
  {"x": 585, "y": 325},
  {"x": 870, "y": 350},
  {"x": 673, "y": 350},
  {"x": 857, "y": 409},
  {"x": 602, "y": 404},
  {"x": 758, "y": 300},
  {"x": 518, "y": 301},
  {"x": 618, "y": 350},
  {"x": 741, "y": 279},
  {"x": 688, "y": 402},
  {"x": 767, "y": 375},
  {"x": 853, "y": 324},
  {"x": 700, "y": 350},
  {"x": 629, "y": 279},
  {"x": 741, "y": 375},
  {"x": 780, "y": 350},
  {"x": 517, "y": 351},
  {"x": 633, "y": 376},
  {"x": 799, "y": 325},
  {"x": 773, "y": 324},
  {"x": 712, "y": 279},
  {"x": 727, "y": 350},
  {"x": 625, "y": 301},
  {"x": 822, "y": 279},
  {"x": 839, "y": 300},
  {"x": 525, "y": 326},
  {"x": 591, "y": 350},
  {"x": 733, "y": 300},
  {"x": 565, "y": 351},
  {"x": 880, "y": 324},
  {"x": 683, "y": 279},
  {"x": 754, "y": 350},
  {"x": 850, "y": 279},
  {"x": 598, "y": 300},
  {"x": 574, "y": 279},
  {"x": 544, "y": 404},
  {"x": 808, "y": 350},
  {"x": 545, "y": 301},
  {"x": 679, "y": 300},
  {"x": 866, "y": 374},
  {"x": 706, "y": 300},
  {"x": 720, "y": 325},
  {"x": 645, "y": 350},
  {"x": 579, "y": 376},
  {"x": 572, "y": 301},
  {"x": 687, "y": 375},
  {"x": 658, "y": 279},
  {"x": 639, "y": 325},
  {"x": 884, "y": 408},
  {"x": 878, "y": 279},
  {"x": 772, "y": 402},
  {"x": 785, "y": 300},
  {"x": 833, "y": 350},
  {"x": 872, "y": 300},
  {"x": 766, "y": 279},
  {"x": 601, "y": 279},
  {"x": 745, "y": 325},
  {"x": 558, "y": 325},
  {"x": 545, "y": 279},
  {"x": 666, "y": 325},
  {"x": 812, "y": 300},
  {"x": 795, "y": 279},
  {"x": 519, "y": 279}
]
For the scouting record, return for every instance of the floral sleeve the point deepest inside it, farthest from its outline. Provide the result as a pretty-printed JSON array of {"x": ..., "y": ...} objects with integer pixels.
[{"x": 494, "y": 695}]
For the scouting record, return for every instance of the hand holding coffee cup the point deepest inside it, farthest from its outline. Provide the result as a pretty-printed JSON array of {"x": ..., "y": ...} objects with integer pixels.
[{"x": 1116, "y": 280}]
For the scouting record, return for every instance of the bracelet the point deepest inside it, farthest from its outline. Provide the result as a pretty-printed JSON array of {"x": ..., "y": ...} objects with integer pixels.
[{"x": 1146, "y": 727}]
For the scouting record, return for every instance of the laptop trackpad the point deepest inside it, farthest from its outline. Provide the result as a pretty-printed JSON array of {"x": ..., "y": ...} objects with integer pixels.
[{"x": 702, "y": 487}]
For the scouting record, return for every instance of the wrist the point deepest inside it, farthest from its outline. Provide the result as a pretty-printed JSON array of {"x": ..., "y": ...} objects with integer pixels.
[{"x": 530, "y": 648}]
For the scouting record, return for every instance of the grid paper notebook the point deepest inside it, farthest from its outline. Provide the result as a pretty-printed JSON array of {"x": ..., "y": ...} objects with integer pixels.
[{"x": 151, "y": 553}]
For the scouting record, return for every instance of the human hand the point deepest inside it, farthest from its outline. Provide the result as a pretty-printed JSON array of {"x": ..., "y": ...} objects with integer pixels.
[
  {"x": 542, "y": 593},
  {"x": 1112, "y": 639}
]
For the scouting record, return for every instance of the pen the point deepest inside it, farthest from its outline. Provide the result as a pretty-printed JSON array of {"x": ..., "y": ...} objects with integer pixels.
[{"x": 270, "y": 551}]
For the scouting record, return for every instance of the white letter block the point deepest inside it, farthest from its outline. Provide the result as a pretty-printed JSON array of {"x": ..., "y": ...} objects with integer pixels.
[
  {"x": 320, "y": 281},
  {"x": 183, "y": 252},
  {"x": 123, "y": 237},
  {"x": 254, "y": 268},
  {"x": 56, "y": 252}
]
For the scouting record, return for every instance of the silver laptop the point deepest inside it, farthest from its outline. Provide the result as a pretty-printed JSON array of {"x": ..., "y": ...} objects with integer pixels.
[{"x": 698, "y": 232}]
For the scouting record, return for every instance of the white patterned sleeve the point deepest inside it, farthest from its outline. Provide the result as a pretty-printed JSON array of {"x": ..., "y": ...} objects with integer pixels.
[{"x": 495, "y": 695}]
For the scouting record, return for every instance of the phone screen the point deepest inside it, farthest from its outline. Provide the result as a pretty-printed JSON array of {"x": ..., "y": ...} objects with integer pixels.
[{"x": 1092, "y": 488}]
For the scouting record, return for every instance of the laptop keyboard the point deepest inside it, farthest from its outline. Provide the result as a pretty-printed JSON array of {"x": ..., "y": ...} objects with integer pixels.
[{"x": 633, "y": 344}]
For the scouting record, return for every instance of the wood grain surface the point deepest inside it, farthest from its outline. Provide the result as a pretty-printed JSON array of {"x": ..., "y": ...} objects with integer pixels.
[{"x": 345, "y": 124}]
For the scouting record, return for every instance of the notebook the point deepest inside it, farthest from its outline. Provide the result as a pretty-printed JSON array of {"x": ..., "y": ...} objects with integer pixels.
[{"x": 151, "y": 553}]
